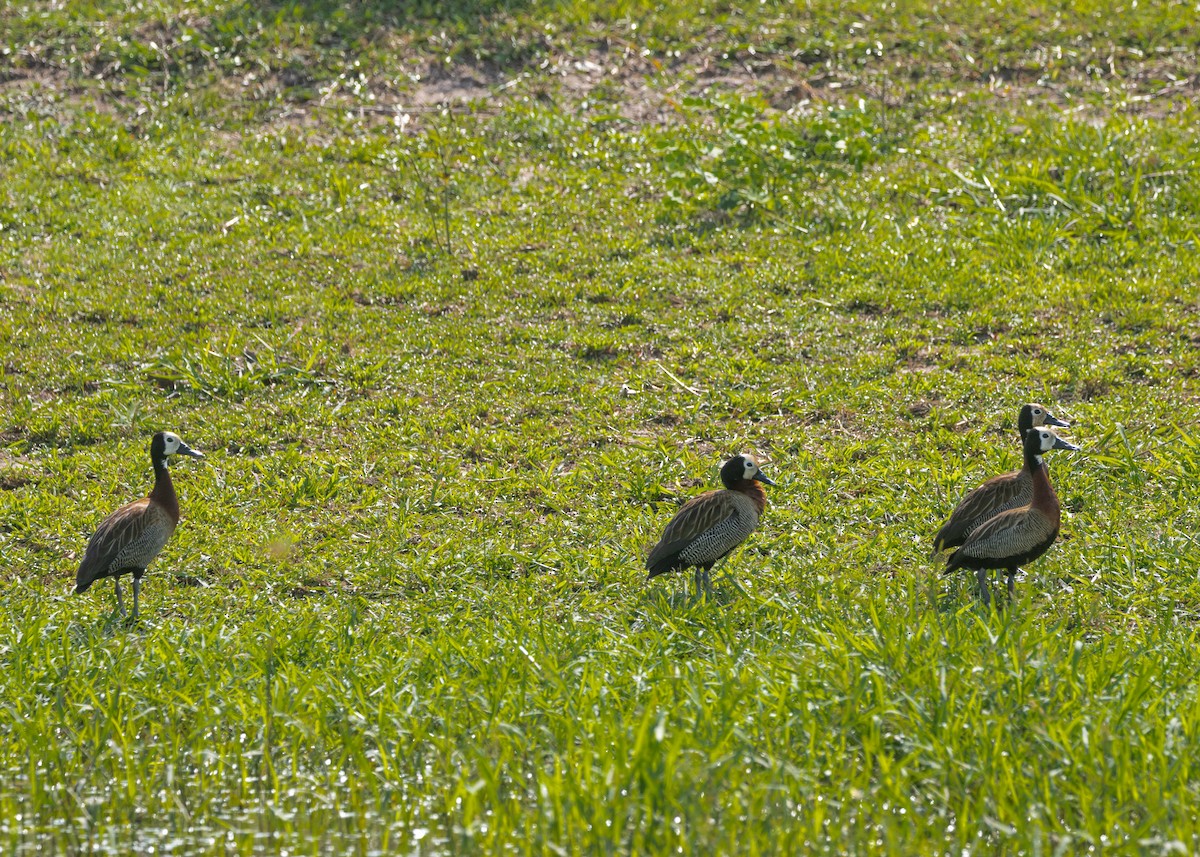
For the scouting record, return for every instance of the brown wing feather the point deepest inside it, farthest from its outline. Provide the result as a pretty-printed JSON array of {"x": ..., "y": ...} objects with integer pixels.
[
  {"x": 1009, "y": 534},
  {"x": 695, "y": 517},
  {"x": 121, "y": 528},
  {"x": 998, "y": 494}
]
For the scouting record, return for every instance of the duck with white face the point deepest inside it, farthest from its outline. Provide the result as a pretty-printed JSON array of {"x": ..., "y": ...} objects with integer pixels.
[
  {"x": 129, "y": 539},
  {"x": 998, "y": 494},
  {"x": 1034, "y": 415},
  {"x": 708, "y": 527},
  {"x": 1011, "y": 538}
]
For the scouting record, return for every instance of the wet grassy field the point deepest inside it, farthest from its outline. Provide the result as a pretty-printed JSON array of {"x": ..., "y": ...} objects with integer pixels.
[{"x": 461, "y": 301}]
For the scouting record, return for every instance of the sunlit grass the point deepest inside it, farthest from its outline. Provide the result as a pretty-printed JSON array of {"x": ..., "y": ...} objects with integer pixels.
[{"x": 453, "y": 372}]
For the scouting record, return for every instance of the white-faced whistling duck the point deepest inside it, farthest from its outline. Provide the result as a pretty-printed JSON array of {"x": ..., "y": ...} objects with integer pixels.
[
  {"x": 710, "y": 526},
  {"x": 999, "y": 493},
  {"x": 131, "y": 537},
  {"x": 1016, "y": 536}
]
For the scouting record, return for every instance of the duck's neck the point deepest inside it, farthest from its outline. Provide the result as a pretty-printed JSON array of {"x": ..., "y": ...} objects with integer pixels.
[
  {"x": 164, "y": 491},
  {"x": 1044, "y": 497},
  {"x": 754, "y": 490}
]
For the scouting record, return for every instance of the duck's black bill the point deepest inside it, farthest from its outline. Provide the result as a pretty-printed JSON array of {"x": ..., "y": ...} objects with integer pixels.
[
  {"x": 1052, "y": 420},
  {"x": 1059, "y": 443},
  {"x": 184, "y": 449},
  {"x": 761, "y": 477}
]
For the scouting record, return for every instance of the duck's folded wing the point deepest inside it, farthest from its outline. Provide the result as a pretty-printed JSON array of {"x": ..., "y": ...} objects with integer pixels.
[
  {"x": 122, "y": 528},
  {"x": 1008, "y": 534},
  {"x": 698, "y": 516},
  {"x": 992, "y": 497}
]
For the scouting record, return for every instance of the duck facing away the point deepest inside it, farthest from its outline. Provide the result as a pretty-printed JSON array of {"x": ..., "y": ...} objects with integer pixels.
[
  {"x": 1016, "y": 536},
  {"x": 130, "y": 538},
  {"x": 999, "y": 493},
  {"x": 710, "y": 526}
]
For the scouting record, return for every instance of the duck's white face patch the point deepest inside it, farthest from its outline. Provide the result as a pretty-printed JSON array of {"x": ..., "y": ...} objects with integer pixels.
[
  {"x": 1047, "y": 440},
  {"x": 1037, "y": 412},
  {"x": 171, "y": 443},
  {"x": 750, "y": 468}
]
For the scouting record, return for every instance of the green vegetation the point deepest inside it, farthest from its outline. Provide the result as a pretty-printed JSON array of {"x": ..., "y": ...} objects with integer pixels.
[{"x": 460, "y": 300}]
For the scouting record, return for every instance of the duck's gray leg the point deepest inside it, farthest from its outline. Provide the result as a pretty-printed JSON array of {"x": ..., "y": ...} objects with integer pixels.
[
  {"x": 985, "y": 588},
  {"x": 702, "y": 580},
  {"x": 137, "y": 585},
  {"x": 120, "y": 600}
]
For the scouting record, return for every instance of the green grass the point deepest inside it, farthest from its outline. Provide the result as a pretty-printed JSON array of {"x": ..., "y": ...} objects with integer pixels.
[{"x": 453, "y": 370}]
